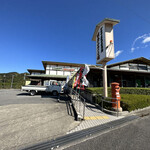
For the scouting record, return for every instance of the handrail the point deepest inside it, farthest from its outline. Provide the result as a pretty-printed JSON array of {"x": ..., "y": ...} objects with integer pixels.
[
  {"x": 78, "y": 100},
  {"x": 104, "y": 100}
]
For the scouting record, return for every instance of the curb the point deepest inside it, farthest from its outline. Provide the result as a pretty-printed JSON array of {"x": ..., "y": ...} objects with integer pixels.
[
  {"x": 143, "y": 111},
  {"x": 114, "y": 113}
]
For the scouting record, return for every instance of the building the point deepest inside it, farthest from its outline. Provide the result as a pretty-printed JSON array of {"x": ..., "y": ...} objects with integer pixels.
[
  {"x": 53, "y": 71},
  {"x": 130, "y": 73}
]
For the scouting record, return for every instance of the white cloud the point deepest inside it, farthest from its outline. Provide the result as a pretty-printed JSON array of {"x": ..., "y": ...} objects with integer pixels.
[
  {"x": 118, "y": 53},
  {"x": 132, "y": 49},
  {"x": 145, "y": 46},
  {"x": 147, "y": 39}
]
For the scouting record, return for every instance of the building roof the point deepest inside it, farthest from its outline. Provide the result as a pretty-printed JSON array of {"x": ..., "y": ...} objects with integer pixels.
[
  {"x": 61, "y": 64},
  {"x": 132, "y": 71},
  {"x": 47, "y": 76},
  {"x": 106, "y": 20},
  {"x": 140, "y": 60},
  {"x": 35, "y": 70}
]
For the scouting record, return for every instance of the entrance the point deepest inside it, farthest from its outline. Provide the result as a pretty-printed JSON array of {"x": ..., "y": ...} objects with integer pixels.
[{"x": 140, "y": 81}]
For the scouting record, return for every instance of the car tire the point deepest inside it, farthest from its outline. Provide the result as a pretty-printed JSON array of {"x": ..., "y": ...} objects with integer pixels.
[
  {"x": 55, "y": 93},
  {"x": 32, "y": 93}
]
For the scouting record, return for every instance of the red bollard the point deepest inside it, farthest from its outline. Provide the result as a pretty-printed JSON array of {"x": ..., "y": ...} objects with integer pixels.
[{"x": 115, "y": 95}]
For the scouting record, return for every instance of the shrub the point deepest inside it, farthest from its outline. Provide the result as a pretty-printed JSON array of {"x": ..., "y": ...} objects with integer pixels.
[
  {"x": 139, "y": 91},
  {"x": 124, "y": 90},
  {"x": 133, "y": 101},
  {"x": 97, "y": 90},
  {"x": 131, "y": 98}
]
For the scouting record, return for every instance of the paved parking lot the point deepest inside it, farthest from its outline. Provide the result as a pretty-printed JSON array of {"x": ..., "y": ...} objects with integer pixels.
[{"x": 27, "y": 120}]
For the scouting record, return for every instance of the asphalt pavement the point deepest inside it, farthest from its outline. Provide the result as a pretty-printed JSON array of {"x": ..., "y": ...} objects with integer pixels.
[
  {"x": 132, "y": 136},
  {"x": 28, "y": 120}
]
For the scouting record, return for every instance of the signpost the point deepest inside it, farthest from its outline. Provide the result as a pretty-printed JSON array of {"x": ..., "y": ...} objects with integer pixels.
[{"x": 103, "y": 35}]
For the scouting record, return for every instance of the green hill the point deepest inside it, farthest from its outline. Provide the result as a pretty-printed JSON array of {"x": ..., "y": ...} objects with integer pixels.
[{"x": 12, "y": 80}]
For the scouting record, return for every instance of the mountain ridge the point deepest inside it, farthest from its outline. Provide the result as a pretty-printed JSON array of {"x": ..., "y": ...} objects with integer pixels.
[{"x": 12, "y": 80}]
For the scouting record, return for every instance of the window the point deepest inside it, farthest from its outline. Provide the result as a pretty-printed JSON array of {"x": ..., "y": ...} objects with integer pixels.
[
  {"x": 47, "y": 71},
  {"x": 59, "y": 72},
  {"x": 48, "y": 67},
  {"x": 124, "y": 67},
  {"x": 142, "y": 67},
  {"x": 52, "y": 72},
  {"x": 53, "y": 66},
  {"x": 67, "y": 73},
  {"x": 76, "y": 69},
  {"x": 133, "y": 66},
  {"x": 148, "y": 67},
  {"x": 46, "y": 83},
  {"x": 115, "y": 67}
]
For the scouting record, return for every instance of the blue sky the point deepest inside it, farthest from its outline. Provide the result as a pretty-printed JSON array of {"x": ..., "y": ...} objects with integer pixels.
[{"x": 32, "y": 31}]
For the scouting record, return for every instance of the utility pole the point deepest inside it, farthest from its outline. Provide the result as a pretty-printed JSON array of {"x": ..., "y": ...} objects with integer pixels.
[
  {"x": 12, "y": 80},
  {"x": 1, "y": 80},
  {"x": 24, "y": 78},
  {"x": 4, "y": 76}
]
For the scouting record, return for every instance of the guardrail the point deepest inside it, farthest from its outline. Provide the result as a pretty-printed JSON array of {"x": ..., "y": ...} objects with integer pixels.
[
  {"x": 104, "y": 99},
  {"x": 79, "y": 103}
]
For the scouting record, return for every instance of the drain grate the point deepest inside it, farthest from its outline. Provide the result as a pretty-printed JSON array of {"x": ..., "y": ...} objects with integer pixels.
[{"x": 60, "y": 141}]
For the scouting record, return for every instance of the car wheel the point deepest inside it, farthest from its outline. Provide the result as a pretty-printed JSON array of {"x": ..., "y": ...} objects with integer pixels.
[
  {"x": 55, "y": 93},
  {"x": 32, "y": 93}
]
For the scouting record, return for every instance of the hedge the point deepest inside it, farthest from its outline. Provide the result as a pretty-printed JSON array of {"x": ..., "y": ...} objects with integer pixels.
[
  {"x": 131, "y": 102},
  {"x": 124, "y": 90},
  {"x": 131, "y": 98}
]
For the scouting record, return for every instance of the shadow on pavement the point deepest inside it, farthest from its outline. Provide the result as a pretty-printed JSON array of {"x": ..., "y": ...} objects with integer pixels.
[{"x": 23, "y": 94}]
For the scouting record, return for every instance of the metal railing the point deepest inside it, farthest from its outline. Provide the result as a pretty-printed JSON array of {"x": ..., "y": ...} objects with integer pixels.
[
  {"x": 105, "y": 99},
  {"x": 79, "y": 102}
]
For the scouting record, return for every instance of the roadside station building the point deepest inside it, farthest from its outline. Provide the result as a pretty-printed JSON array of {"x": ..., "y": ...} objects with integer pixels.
[
  {"x": 53, "y": 71},
  {"x": 130, "y": 73}
]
